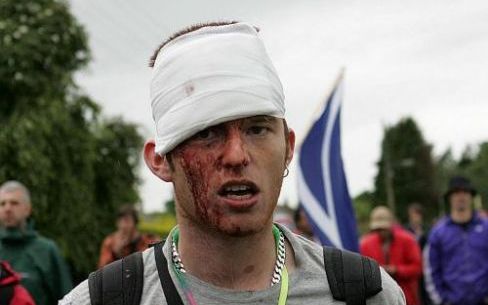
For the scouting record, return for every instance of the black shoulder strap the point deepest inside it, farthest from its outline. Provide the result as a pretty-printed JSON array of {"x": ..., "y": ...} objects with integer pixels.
[
  {"x": 170, "y": 292},
  {"x": 6, "y": 294},
  {"x": 118, "y": 283},
  {"x": 352, "y": 278}
]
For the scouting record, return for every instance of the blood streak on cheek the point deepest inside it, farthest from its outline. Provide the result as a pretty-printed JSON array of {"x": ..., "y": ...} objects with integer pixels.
[{"x": 198, "y": 170}]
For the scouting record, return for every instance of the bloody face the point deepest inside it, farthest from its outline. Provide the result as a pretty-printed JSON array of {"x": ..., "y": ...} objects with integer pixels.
[{"x": 228, "y": 177}]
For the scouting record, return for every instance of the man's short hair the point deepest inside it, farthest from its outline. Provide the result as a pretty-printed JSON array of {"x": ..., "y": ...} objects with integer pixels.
[
  {"x": 12, "y": 186},
  {"x": 128, "y": 210},
  {"x": 187, "y": 30}
]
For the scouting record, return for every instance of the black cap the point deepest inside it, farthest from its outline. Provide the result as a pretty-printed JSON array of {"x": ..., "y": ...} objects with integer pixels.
[{"x": 459, "y": 183}]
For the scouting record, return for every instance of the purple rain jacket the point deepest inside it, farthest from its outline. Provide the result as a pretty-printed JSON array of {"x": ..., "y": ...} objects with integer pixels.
[{"x": 456, "y": 262}]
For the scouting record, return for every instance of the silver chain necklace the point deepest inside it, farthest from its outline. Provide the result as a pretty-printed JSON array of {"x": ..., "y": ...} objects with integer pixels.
[{"x": 279, "y": 264}]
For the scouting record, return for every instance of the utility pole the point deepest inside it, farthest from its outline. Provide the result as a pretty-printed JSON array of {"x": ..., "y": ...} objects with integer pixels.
[{"x": 389, "y": 175}]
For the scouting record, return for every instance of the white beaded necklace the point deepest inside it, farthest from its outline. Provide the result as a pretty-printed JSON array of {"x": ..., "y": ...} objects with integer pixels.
[{"x": 279, "y": 264}]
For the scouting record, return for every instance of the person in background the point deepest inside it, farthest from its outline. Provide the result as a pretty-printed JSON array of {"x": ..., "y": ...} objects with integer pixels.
[
  {"x": 415, "y": 223},
  {"x": 11, "y": 292},
  {"x": 126, "y": 240},
  {"x": 44, "y": 272},
  {"x": 303, "y": 227},
  {"x": 395, "y": 250},
  {"x": 416, "y": 226},
  {"x": 456, "y": 255}
]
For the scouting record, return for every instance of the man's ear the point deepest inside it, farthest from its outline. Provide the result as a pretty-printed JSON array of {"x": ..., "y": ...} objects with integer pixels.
[
  {"x": 158, "y": 164},
  {"x": 291, "y": 146}
]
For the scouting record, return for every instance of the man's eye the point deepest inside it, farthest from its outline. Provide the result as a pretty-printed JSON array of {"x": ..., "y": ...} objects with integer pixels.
[
  {"x": 204, "y": 134},
  {"x": 258, "y": 130}
]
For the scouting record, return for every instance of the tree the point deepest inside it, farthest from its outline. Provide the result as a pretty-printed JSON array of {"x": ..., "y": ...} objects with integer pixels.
[
  {"x": 363, "y": 205},
  {"x": 446, "y": 167},
  {"x": 406, "y": 171},
  {"x": 41, "y": 46},
  {"x": 78, "y": 166},
  {"x": 478, "y": 170},
  {"x": 473, "y": 164}
]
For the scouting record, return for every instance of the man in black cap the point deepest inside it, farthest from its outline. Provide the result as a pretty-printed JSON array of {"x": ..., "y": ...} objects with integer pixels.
[{"x": 456, "y": 256}]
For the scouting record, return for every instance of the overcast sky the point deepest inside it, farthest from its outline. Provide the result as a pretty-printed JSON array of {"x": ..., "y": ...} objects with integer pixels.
[{"x": 425, "y": 59}]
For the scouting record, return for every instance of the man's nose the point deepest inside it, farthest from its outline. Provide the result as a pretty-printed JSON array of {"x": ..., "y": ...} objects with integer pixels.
[{"x": 235, "y": 153}]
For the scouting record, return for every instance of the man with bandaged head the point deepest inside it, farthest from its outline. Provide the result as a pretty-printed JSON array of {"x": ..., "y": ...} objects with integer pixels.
[{"x": 223, "y": 142}]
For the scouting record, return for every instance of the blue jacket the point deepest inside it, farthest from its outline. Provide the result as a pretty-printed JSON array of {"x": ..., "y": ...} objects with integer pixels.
[{"x": 456, "y": 262}]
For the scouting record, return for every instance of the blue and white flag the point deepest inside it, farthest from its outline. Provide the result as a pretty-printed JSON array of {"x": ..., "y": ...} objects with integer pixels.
[{"x": 322, "y": 186}]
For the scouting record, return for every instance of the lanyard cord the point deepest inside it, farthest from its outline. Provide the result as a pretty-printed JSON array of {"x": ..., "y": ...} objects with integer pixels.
[
  {"x": 283, "y": 288},
  {"x": 189, "y": 295}
]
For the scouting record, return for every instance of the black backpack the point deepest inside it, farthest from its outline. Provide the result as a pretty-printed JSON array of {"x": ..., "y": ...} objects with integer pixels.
[{"x": 352, "y": 278}]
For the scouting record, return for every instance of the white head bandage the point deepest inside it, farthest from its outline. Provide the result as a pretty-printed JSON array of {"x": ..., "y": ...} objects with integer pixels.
[{"x": 209, "y": 76}]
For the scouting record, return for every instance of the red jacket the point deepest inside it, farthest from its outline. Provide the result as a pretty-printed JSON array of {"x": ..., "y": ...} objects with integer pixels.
[
  {"x": 404, "y": 254},
  {"x": 10, "y": 278}
]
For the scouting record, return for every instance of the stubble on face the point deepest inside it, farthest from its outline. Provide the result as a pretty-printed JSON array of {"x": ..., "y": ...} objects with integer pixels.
[{"x": 200, "y": 171}]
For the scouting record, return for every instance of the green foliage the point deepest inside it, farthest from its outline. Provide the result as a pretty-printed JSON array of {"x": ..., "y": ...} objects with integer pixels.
[
  {"x": 446, "y": 167},
  {"x": 79, "y": 167},
  {"x": 416, "y": 177},
  {"x": 477, "y": 170},
  {"x": 41, "y": 45},
  {"x": 170, "y": 206},
  {"x": 118, "y": 149},
  {"x": 159, "y": 224},
  {"x": 406, "y": 169},
  {"x": 473, "y": 164},
  {"x": 363, "y": 204}
]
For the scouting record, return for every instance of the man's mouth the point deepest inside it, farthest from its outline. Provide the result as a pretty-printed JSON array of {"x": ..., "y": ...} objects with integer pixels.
[{"x": 238, "y": 190}]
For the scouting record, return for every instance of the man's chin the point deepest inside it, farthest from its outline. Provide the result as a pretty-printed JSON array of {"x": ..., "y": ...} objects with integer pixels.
[{"x": 238, "y": 230}]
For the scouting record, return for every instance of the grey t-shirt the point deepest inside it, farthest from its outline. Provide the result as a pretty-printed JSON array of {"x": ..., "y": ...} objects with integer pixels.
[{"x": 307, "y": 283}]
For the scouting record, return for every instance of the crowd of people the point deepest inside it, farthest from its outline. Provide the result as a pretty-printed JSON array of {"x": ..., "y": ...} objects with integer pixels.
[
  {"x": 454, "y": 267},
  {"x": 32, "y": 271},
  {"x": 223, "y": 142},
  {"x": 443, "y": 263}
]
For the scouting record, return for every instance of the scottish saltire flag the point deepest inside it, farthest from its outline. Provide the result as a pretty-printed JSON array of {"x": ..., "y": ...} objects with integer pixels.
[{"x": 322, "y": 186}]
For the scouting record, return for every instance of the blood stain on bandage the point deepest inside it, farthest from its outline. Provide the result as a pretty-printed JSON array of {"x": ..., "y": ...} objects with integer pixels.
[{"x": 189, "y": 88}]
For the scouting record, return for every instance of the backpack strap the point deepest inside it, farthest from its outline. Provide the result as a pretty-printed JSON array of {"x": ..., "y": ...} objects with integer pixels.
[
  {"x": 352, "y": 278},
  {"x": 6, "y": 294},
  {"x": 171, "y": 294},
  {"x": 118, "y": 283}
]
